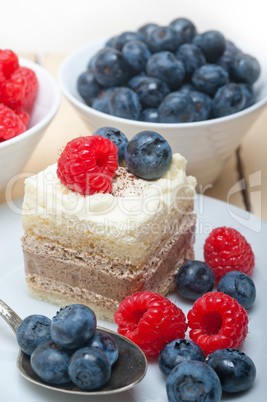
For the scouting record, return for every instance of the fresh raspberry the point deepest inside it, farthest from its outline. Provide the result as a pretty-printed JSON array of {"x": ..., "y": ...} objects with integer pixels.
[
  {"x": 9, "y": 62},
  {"x": 19, "y": 91},
  {"x": 217, "y": 321},
  {"x": 24, "y": 117},
  {"x": 10, "y": 124},
  {"x": 150, "y": 320},
  {"x": 88, "y": 164},
  {"x": 226, "y": 250}
]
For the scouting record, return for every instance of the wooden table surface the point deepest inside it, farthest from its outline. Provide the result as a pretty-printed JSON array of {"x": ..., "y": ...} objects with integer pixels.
[{"x": 243, "y": 181}]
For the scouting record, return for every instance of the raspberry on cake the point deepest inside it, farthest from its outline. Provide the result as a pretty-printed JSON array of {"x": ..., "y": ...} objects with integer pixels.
[{"x": 98, "y": 249}]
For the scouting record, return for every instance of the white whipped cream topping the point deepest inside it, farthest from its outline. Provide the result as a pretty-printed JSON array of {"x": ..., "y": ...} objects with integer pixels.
[{"x": 131, "y": 197}]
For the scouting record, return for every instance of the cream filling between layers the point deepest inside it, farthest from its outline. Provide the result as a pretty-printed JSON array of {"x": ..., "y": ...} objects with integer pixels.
[{"x": 125, "y": 224}]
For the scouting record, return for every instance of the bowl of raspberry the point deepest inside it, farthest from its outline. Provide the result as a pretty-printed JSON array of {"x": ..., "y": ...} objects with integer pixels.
[
  {"x": 201, "y": 90},
  {"x": 29, "y": 100}
]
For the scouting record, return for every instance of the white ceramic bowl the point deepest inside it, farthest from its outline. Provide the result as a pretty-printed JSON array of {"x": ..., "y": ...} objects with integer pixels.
[
  {"x": 15, "y": 152},
  {"x": 206, "y": 145}
]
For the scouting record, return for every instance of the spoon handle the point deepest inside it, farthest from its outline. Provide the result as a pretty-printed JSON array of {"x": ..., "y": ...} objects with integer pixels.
[{"x": 9, "y": 316}]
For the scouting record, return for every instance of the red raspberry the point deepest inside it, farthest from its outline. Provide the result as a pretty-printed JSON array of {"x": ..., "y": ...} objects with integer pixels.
[
  {"x": 226, "y": 250},
  {"x": 19, "y": 91},
  {"x": 10, "y": 124},
  {"x": 24, "y": 117},
  {"x": 88, "y": 164},
  {"x": 9, "y": 62},
  {"x": 217, "y": 321},
  {"x": 150, "y": 320}
]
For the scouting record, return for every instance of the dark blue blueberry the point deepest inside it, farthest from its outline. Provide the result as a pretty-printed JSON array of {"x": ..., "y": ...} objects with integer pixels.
[
  {"x": 203, "y": 104},
  {"x": 103, "y": 341},
  {"x": 101, "y": 103},
  {"x": 136, "y": 53},
  {"x": 125, "y": 37},
  {"x": 249, "y": 94},
  {"x": 150, "y": 90},
  {"x": 228, "y": 99},
  {"x": 177, "y": 107},
  {"x": 234, "y": 368},
  {"x": 166, "y": 67},
  {"x": 178, "y": 351},
  {"x": 229, "y": 53},
  {"x": 193, "y": 381},
  {"x": 72, "y": 326},
  {"x": 110, "y": 68},
  {"x": 192, "y": 58},
  {"x": 239, "y": 286},
  {"x": 185, "y": 28},
  {"x": 209, "y": 77},
  {"x": 212, "y": 44},
  {"x": 193, "y": 279},
  {"x": 89, "y": 368},
  {"x": 88, "y": 87},
  {"x": 150, "y": 115},
  {"x": 147, "y": 28},
  {"x": 116, "y": 136},
  {"x": 245, "y": 68},
  {"x": 163, "y": 38},
  {"x": 90, "y": 66},
  {"x": 186, "y": 88},
  {"x": 50, "y": 362},
  {"x": 32, "y": 331},
  {"x": 110, "y": 42},
  {"x": 123, "y": 102},
  {"x": 148, "y": 155}
]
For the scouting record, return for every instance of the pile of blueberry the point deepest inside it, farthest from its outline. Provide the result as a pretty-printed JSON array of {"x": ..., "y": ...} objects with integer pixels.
[
  {"x": 169, "y": 74},
  {"x": 68, "y": 347}
]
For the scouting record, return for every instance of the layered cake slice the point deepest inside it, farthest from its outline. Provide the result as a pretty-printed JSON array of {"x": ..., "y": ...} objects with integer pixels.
[{"x": 96, "y": 249}]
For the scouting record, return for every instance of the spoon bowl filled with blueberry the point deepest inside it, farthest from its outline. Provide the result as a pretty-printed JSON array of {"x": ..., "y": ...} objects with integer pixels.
[
  {"x": 201, "y": 90},
  {"x": 70, "y": 354}
]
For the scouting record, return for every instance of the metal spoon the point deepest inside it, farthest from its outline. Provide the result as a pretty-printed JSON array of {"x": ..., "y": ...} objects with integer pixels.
[{"x": 128, "y": 371}]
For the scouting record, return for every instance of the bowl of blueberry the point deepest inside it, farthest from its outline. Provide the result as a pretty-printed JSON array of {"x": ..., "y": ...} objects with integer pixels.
[{"x": 199, "y": 90}]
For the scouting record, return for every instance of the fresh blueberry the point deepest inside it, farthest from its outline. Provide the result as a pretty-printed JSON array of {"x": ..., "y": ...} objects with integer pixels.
[
  {"x": 150, "y": 115},
  {"x": 110, "y": 68},
  {"x": 229, "y": 99},
  {"x": 185, "y": 28},
  {"x": 136, "y": 53},
  {"x": 245, "y": 68},
  {"x": 178, "y": 351},
  {"x": 249, "y": 94},
  {"x": 72, "y": 326},
  {"x": 203, "y": 104},
  {"x": 212, "y": 44},
  {"x": 229, "y": 53},
  {"x": 193, "y": 279},
  {"x": 186, "y": 88},
  {"x": 103, "y": 341},
  {"x": 147, "y": 28},
  {"x": 89, "y": 368},
  {"x": 32, "y": 331},
  {"x": 125, "y": 37},
  {"x": 163, "y": 38},
  {"x": 50, "y": 362},
  {"x": 193, "y": 381},
  {"x": 177, "y": 107},
  {"x": 110, "y": 42},
  {"x": 123, "y": 102},
  {"x": 101, "y": 102},
  {"x": 209, "y": 77},
  {"x": 234, "y": 368},
  {"x": 166, "y": 67},
  {"x": 150, "y": 90},
  {"x": 192, "y": 58},
  {"x": 148, "y": 155},
  {"x": 116, "y": 136},
  {"x": 239, "y": 286},
  {"x": 88, "y": 87}
]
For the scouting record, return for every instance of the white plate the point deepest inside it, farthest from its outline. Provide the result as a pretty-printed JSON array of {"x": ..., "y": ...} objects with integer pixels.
[{"x": 13, "y": 291}]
